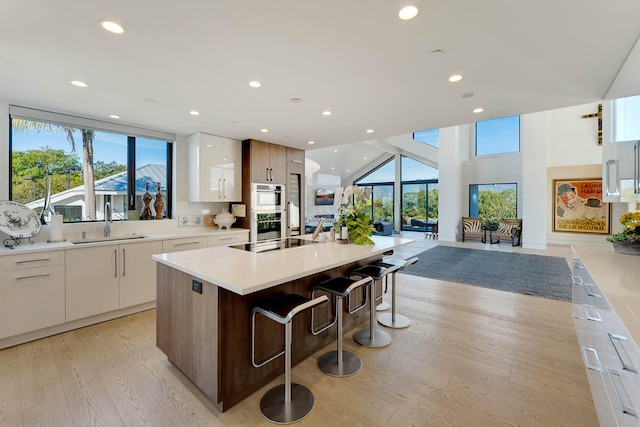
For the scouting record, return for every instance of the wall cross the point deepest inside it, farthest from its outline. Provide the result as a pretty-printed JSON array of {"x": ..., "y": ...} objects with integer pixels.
[{"x": 599, "y": 116}]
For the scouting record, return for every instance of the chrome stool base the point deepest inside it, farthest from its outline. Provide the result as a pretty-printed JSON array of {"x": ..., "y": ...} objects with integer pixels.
[
  {"x": 399, "y": 322},
  {"x": 328, "y": 363},
  {"x": 383, "y": 306},
  {"x": 276, "y": 410},
  {"x": 372, "y": 338}
]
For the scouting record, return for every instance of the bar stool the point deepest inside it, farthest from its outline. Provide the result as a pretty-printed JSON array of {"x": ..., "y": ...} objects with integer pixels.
[
  {"x": 285, "y": 403},
  {"x": 373, "y": 337},
  {"x": 383, "y": 306},
  {"x": 393, "y": 320},
  {"x": 339, "y": 363}
]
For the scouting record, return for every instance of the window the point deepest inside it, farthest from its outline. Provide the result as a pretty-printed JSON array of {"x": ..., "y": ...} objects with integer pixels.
[
  {"x": 118, "y": 167},
  {"x": 429, "y": 137},
  {"x": 493, "y": 201},
  {"x": 498, "y": 136},
  {"x": 383, "y": 173},
  {"x": 419, "y": 195}
]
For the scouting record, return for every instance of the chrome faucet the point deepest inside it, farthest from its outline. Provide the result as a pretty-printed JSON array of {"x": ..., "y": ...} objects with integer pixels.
[{"x": 107, "y": 219}]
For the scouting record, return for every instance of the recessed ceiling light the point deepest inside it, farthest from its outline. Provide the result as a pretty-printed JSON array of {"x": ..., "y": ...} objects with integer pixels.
[
  {"x": 78, "y": 83},
  {"x": 296, "y": 100},
  {"x": 194, "y": 113},
  {"x": 151, "y": 100},
  {"x": 112, "y": 27},
  {"x": 114, "y": 116},
  {"x": 455, "y": 78},
  {"x": 467, "y": 95},
  {"x": 437, "y": 52},
  {"x": 335, "y": 150},
  {"x": 326, "y": 113},
  {"x": 478, "y": 110},
  {"x": 255, "y": 83},
  {"x": 312, "y": 142},
  {"x": 264, "y": 130},
  {"x": 347, "y": 170},
  {"x": 332, "y": 168},
  {"x": 369, "y": 130},
  {"x": 365, "y": 158},
  {"x": 408, "y": 12}
]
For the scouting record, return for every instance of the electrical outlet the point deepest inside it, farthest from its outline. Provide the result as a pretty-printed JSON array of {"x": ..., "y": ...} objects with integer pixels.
[{"x": 196, "y": 286}]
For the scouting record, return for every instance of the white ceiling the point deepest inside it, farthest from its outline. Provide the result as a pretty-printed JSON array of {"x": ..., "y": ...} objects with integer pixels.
[{"x": 353, "y": 57}]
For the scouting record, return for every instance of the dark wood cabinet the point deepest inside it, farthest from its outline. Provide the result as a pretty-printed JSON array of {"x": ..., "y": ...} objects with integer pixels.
[{"x": 267, "y": 162}]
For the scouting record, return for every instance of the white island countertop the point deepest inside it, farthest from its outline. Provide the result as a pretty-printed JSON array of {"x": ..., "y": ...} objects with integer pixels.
[
  {"x": 618, "y": 277},
  {"x": 244, "y": 272}
]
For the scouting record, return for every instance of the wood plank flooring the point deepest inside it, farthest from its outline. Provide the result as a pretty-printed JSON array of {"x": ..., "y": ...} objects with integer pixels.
[{"x": 471, "y": 357}]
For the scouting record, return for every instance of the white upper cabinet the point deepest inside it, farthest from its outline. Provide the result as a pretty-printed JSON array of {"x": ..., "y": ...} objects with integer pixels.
[
  {"x": 215, "y": 168},
  {"x": 621, "y": 119}
]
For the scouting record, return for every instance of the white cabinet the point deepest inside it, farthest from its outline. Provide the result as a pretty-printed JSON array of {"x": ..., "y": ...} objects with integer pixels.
[
  {"x": 228, "y": 239},
  {"x": 106, "y": 278},
  {"x": 31, "y": 292},
  {"x": 215, "y": 168},
  {"x": 183, "y": 244}
]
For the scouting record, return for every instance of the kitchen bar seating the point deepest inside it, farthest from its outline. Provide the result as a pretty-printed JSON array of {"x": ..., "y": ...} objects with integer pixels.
[
  {"x": 339, "y": 363},
  {"x": 372, "y": 336},
  {"x": 285, "y": 403},
  {"x": 393, "y": 320}
]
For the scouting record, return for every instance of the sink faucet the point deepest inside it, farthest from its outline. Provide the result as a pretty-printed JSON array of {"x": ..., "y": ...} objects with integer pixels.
[{"x": 107, "y": 219}]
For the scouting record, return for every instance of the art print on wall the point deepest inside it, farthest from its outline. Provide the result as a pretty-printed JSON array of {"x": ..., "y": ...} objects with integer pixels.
[{"x": 578, "y": 206}]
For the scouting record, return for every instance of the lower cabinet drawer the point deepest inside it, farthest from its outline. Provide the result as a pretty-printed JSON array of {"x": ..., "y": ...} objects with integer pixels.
[
  {"x": 224, "y": 239},
  {"x": 183, "y": 244},
  {"x": 31, "y": 299}
]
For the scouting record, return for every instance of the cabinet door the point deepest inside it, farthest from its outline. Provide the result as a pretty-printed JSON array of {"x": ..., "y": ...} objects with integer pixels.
[
  {"x": 31, "y": 299},
  {"x": 232, "y": 170},
  {"x": 278, "y": 164},
  {"x": 93, "y": 285},
  {"x": 138, "y": 272},
  {"x": 260, "y": 163},
  {"x": 205, "y": 168}
]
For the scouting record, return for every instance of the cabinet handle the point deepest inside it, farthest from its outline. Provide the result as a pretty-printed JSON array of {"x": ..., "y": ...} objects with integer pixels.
[
  {"x": 224, "y": 188},
  {"x": 33, "y": 260},
  {"x": 622, "y": 380},
  {"x": 219, "y": 188},
  {"x": 612, "y": 179},
  {"x": 621, "y": 352},
  {"x": 115, "y": 263},
  {"x": 32, "y": 277},
  {"x": 186, "y": 243},
  {"x": 124, "y": 263},
  {"x": 636, "y": 171},
  {"x": 595, "y": 365},
  {"x": 266, "y": 174},
  {"x": 228, "y": 238},
  {"x": 271, "y": 174}
]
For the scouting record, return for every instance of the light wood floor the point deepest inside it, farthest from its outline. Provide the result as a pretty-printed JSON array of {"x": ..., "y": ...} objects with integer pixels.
[{"x": 472, "y": 357}]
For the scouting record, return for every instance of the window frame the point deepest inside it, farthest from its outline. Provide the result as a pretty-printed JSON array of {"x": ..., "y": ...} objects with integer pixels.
[
  {"x": 501, "y": 153},
  {"x": 130, "y": 132}
]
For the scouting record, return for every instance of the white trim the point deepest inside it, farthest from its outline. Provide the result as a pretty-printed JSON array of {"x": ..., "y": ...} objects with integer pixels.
[{"x": 84, "y": 123}]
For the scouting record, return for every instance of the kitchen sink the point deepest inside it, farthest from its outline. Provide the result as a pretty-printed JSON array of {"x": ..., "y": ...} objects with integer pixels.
[{"x": 107, "y": 239}]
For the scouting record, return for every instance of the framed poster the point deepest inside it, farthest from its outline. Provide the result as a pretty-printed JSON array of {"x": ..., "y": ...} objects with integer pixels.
[
  {"x": 578, "y": 206},
  {"x": 325, "y": 196}
]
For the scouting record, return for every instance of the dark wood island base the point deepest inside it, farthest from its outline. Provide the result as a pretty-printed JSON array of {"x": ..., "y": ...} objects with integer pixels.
[{"x": 206, "y": 335}]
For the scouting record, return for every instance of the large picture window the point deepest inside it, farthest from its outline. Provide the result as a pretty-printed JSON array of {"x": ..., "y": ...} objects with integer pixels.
[
  {"x": 498, "y": 136},
  {"x": 86, "y": 168},
  {"x": 493, "y": 201}
]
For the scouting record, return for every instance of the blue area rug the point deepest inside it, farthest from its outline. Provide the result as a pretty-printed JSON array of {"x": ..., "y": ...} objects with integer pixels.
[{"x": 537, "y": 275}]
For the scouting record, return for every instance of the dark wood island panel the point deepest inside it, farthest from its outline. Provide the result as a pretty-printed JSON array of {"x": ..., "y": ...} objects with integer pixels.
[{"x": 206, "y": 336}]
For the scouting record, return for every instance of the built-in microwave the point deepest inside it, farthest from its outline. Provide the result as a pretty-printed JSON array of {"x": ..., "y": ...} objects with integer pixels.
[{"x": 267, "y": 197}]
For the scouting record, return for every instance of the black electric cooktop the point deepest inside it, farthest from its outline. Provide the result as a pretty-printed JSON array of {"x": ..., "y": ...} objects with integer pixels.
[{"x": 275, "y": 245}]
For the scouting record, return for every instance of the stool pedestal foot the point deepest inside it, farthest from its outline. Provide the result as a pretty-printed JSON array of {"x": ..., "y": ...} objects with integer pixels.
[
  {"x": 383, "y": 306},
  {"x": 328, "y": 363},
  {"x": 399, "y": 322},
  {"x": 276, "y": 410},
  {"x": 372, "y": 338}
]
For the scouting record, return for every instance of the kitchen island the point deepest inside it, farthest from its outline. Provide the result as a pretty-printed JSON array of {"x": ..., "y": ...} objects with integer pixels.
[{"x": 204, "y": 303}]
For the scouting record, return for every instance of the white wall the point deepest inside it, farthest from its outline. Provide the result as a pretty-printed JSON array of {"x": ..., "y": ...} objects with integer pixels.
[
  {"x": 454, "y": 149},
  {"x": 4, "y": 150}
]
